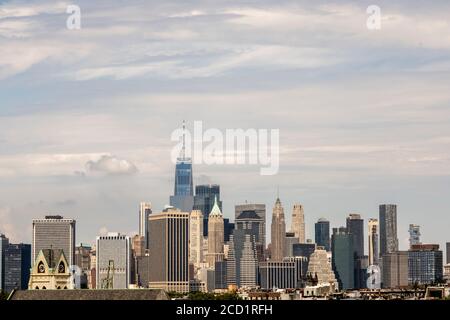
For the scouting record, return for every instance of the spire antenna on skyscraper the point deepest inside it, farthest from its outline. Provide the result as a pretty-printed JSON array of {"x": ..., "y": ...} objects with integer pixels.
[{"x": 183, "y": 150}]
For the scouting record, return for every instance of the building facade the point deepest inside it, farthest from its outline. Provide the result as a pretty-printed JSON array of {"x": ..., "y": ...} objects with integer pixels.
[
  {"x": 142, "y": 271},
  {"x": 113, "y": 261},
  {"x": 54, "y": 232},
  {"x": 320, "y": 268},
  {"x": 414, "y": 235},
  {"x": 242, "y": 263},
  {"x": 448, "y": 251},
  {"x": 278, "y": 275},
  {"x": 215, "y": 236},
  {"x": 425, "y": 263},
  {"x": 145, "y": 209},
  {"x": 204, "y": 198},
  {"x": 298, "y": 223},
  {"x": 343, "y": 260},
  {"x": 169, "y": 250},
  {"x": 4, "y": 243},
  {"x": 138, "y": 246},
  {"x": 355, "y": 226},
  {"x": 278, "y": 233},
  {"x": 388, "y": 229},
  {"x": 196, "y": 238},
  {"x": 260, "y": 210},
  {"x": 394, "y": 270},
  {"x": 303, "y": 249},
  {"x": 17, "y": 266},
  {"x": 373, "y": 242},
  {"x": 50, "y": 271},
  {"x": 251, "y": 223},
  {"x": 290, "y": 240},
  {"x": 322, "y": 233}
]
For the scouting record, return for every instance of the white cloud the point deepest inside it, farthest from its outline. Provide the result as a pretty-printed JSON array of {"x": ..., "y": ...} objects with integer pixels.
[
  {"x": 21, "y": 8},
  {"x": 111, "y": 165},
  {"x": 7, "y": 225}
]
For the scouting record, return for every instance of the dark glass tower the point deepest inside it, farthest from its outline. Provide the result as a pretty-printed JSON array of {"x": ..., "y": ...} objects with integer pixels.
[
  {"x": 355, "y": 226},
  {"x": 342, "y": 257},
  {"x": 183, "y": 197},
  {"x": 17, "y": 266},
  {"x": 204, "y": 201},
  {"x": 322, "y": 233}
]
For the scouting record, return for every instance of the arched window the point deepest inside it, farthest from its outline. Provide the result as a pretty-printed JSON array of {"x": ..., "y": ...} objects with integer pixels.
[
  {"x": 37, "y": 288},
  {"x": 58, "y": 288},
  {"x": 43, "y": 288},
  {"x": 61, "y": 267},
  {"x": 65, "y": 287},
  {"x": 41, "y": 267}
]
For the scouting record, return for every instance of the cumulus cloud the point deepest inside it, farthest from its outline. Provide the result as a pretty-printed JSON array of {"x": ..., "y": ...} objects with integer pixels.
[
  {"x": 103, "y": 231},
  {"x": 111, "y": 165},
  {"x": 7, "y": 226}
]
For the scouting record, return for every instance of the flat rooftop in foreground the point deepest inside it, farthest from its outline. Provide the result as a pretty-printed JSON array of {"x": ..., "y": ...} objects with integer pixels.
[{"x": 137, "y": 294}]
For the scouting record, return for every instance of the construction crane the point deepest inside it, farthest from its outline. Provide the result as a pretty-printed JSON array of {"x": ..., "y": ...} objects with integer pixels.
[{"x": 108, "y": 282}]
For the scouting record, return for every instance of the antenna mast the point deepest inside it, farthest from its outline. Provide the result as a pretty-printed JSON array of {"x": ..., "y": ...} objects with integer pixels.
[{"x": 183, "y": 150}]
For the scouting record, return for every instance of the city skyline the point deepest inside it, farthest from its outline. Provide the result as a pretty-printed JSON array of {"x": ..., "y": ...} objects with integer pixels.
[{"x": 86, "y": 133}]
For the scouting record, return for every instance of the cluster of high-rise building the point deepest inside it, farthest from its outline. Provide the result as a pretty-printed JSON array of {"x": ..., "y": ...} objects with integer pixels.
[{"x": 191, "y": 246}]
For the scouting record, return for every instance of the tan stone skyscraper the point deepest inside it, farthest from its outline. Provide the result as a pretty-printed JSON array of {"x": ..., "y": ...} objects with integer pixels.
[
  {"x": 278, "y": 233},
  {"x": 298, "y": 223},
  {"x": 215, "y": 235},
  {"x": 196, "y": 238}
]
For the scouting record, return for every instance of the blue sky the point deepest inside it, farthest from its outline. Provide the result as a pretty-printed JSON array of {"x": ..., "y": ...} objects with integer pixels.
[{"x": 363, "y": 115}]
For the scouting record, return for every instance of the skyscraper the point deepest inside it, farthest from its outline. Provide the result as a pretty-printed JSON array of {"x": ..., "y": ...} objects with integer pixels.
[
  {"x": 196, "y": 238},
  {"x": 215, "y": 236},
  {"x": 169, "y": 253},
  {"x": 425, "y": 263},
  {"x": 303, "y": 249},
  {"x": 278, "y": 274},
  {"x": 260, "y": 210},
  {"x": 204, "y": 201},
  {"x": 355, "y": 226},
  {"x": 83, "y": 256},
  {"x": 54, "y": 232},
  {"x": 343, "y": 260},
  {"x": 322, "y": 233},
  {"x": 290, "y": 241},
  {"x": 183, "y": 197},
  {"x": 251, "y": 222},
  {"x": 414, "y": 235},
  {"x": 138, "y": 245},
  {"x": 83, "y": 261},
  {"x": 4, "y": 243},
  {"x": 298, "y": 223},
  {"x": 320, "y": 267},
  {"x": 242, "y": 263},
  {"x": 394, "y": 270},
  {"x": 448, "y": 252},
  {"x": 373, "y": 242},
  {"x": 388, "y": 229},
  {"x": 278, "y": 233},
  {"x": 113, "y": 260},
  {"x": 145, "y": 209},
  {"x": 17, "y": 267}
]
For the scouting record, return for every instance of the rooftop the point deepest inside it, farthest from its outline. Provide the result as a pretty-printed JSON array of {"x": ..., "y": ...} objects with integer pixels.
[{"x": 124, "y": 294}]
